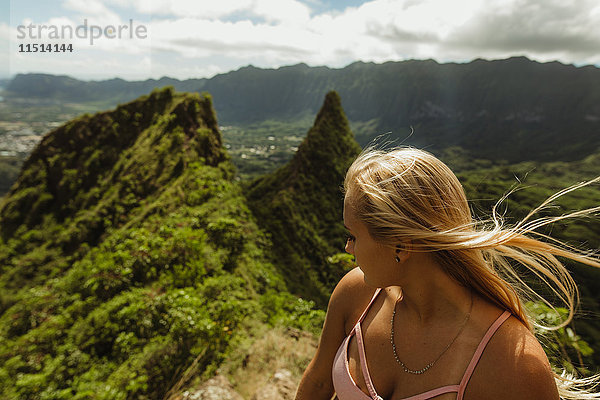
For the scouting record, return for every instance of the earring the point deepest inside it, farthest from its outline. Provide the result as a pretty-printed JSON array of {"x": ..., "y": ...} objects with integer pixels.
[{"x": 398, "y": 249}]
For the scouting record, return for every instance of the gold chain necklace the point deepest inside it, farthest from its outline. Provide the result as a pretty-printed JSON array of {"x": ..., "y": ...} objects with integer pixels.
[{"x": 425, "y": 368}]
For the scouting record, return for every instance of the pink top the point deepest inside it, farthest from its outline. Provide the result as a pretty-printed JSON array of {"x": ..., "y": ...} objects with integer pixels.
[{"x": 346, "y": 388}]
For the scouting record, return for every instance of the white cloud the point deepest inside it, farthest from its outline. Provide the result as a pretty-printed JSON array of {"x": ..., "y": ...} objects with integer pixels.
[
  {"x": 183, "y": 71},
  {"x": 271, "y": 33},
  {"x": 275, "y": 11},
  {"x": 201, "y": 38},
  {"x": 93, "y": 10},
  {"x": 289, "y": 12},
  {"x": 205, "y": 9},
  {"x": 446, "y": 30},
  {"x": 555, "y": 29}
]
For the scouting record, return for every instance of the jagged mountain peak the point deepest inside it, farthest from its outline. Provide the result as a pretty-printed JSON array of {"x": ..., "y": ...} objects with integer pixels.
[
  {"x": 329, "y": 144},
  {"x": 331, "y": 109},
  {"x": 301, "y": 204}
]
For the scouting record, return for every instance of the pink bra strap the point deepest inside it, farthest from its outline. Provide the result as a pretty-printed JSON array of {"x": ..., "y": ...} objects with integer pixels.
[
  {"x": 486, "y": 338},
  {"x": 369, "y": 306},
  {"x": 363, "y": 362},
  {"x": 361, "y": 348},
  {"x": 434, "y": 393}
]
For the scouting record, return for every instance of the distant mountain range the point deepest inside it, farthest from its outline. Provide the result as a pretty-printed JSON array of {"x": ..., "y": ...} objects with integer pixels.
[
  {"x": 62, "y": 87},
  {"x": 513, "y": 109}
]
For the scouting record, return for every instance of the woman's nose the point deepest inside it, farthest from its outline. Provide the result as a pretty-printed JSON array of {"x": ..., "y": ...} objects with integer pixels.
[{"x": 349, "y": 247}]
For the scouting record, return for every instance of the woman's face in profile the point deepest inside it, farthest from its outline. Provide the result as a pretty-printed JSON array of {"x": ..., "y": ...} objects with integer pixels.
[{"x": 373, "y": 258}]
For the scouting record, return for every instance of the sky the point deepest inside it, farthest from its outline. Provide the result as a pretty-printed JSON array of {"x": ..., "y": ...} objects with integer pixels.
[{"x": 141, "y": 39}]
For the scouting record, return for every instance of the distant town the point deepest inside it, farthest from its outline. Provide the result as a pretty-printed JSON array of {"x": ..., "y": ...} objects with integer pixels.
[
  {"x": 23, "y": 123},
  {"x": 255, "y": 148},
  {"x": 19, "y": 138}
]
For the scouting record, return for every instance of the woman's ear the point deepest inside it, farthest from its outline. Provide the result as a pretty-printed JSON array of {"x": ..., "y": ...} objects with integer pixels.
[{"x": 402, "y": 252}]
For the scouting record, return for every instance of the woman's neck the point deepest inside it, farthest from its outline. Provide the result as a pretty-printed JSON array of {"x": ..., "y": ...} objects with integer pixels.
[{"x": 430, "y": 294}]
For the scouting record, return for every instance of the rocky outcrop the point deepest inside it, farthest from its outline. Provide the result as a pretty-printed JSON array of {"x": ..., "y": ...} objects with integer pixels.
[
  {"x": 280, "y": 387},
  {"x": 217, "y": 388}
]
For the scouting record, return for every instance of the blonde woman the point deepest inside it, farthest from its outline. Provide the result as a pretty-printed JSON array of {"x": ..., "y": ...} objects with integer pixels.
[{"x": 429, "y": 312}]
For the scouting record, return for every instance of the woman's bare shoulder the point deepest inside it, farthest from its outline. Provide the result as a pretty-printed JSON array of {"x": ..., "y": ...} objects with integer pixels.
[
  {"x": 354, "y": 280},
  {"x": 514, "y": 366},
  {"x": 351, "y": 295}
]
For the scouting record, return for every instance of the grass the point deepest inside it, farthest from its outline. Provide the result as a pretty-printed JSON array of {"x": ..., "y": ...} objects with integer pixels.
[{"x": 267, "y": 351}]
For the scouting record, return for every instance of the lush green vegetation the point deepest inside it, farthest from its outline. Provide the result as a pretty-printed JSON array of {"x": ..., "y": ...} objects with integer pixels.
[
  {"x": 514, "y": 109},
  {"x": 129, "y": 252}
]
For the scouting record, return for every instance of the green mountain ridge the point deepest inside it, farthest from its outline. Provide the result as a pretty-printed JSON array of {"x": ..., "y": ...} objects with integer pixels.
[{"x": 76, "y": 157}]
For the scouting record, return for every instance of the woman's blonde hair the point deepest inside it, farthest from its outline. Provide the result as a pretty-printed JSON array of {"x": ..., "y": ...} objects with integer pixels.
[{"x": 406, "y": 194}]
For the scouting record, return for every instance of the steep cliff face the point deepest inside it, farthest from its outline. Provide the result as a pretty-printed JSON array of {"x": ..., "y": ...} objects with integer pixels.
[{"x": 301, "y": 204}]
